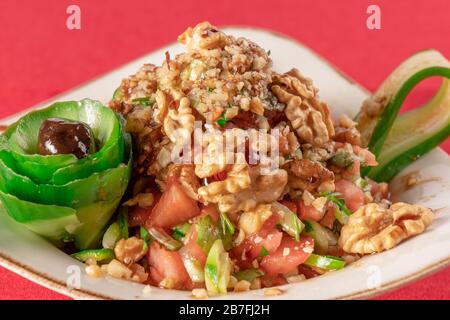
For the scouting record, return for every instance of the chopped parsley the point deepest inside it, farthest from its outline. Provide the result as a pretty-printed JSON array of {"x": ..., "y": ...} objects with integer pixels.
[
  {"x": 264, "y": 252},
  {"x": 268, "y": 53},
  {"x": 209, "y": 89},
  {"x": 340, "y": 203},
  {"x": 222, "y": 121}
]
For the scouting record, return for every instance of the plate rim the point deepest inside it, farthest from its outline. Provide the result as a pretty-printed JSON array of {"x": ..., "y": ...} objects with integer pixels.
[{"x": 60, "y": 287}]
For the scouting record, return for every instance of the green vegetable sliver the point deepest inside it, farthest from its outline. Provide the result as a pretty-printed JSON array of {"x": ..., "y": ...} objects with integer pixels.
[
  {"x": 325, "y": 262},
  {"x": 100, "y": 255},
  {"x": 217, "y": 269},
  {"x": 163, "y": 238},
  {"x": 111, "y": 236},
  {"x": 123, "y": 222}
]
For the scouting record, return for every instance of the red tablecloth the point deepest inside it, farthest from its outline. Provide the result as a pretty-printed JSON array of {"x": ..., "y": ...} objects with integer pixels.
[{"x": 40, "y": 57}]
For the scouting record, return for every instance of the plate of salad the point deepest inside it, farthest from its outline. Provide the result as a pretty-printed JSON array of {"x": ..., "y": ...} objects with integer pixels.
[{"x": 215, "y": 168}]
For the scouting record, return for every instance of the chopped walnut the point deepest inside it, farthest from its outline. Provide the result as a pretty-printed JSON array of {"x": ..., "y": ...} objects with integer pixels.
[
  {"x": 242, "y": 286},
  {"x": 346, "y": 131},
  {"x": 203, "y": 36},
  {"x": 179, "y": 123},
  {"x": 251, "y": 221},
  {"x": 129, "y": 250},
  {"x": 309, "y": 116},
  {"x": 141, "y": 199},
  {"x": 273, "y": 292},
  {"x": 134, "y": 272},
  {"x": 244, "y": 188},
  {"x": 186, "y": 175},
  {"x": 308, "y": 175},
  {"x": 373, "y": 228},
  {"x": 163, "y": 100}
]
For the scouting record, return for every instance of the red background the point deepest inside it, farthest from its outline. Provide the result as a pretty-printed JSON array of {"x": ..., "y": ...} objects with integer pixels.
[{"x": 40, "y": 57}]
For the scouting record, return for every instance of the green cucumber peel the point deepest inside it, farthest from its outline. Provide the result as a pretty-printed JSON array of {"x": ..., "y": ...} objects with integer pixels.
[
  {"x": 100, "y": 255},
  {"x": 325, "y": 262},
  {"x": 398, "y": 140}
]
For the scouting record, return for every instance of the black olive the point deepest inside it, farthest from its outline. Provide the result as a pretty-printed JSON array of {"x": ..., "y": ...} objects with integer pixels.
[{"x": 62, "y": 136}]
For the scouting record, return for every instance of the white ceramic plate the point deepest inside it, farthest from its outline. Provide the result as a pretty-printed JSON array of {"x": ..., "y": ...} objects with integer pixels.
[{"x": 34, "y": 258}]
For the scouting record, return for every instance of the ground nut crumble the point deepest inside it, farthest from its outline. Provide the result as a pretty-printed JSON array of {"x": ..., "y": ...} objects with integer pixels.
[{"x": 227, "y": 85}]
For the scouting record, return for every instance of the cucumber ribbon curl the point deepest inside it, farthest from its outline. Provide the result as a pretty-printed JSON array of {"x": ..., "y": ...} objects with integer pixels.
[{"x": 397, "y": 140}]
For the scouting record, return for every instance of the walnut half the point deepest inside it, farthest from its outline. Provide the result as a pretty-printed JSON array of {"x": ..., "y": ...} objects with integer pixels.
[
  {"x": 373, "y": 228},
  {"x": 309, "y": 116}
]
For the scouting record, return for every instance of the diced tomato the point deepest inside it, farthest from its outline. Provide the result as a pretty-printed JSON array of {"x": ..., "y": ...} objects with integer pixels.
[
  {"x": 191, "y": 248},
  {"x": 352, "y": 195},
  {"x": 137, "y": 216},
  {"x": 210, "y": 210},
  {"x": 174, "y": 207},
  {"x": 369, "y": 157},
  {"x": 289, "y": 255},
  {"x": 271, "y": 243},
  {"x": 165, "y": 264},
  {"x": 268, "y": 237},
  {"x": 328, "y": 218},
  {"x": 291, "y": 205},
  {"x": 309, "y": 212}
]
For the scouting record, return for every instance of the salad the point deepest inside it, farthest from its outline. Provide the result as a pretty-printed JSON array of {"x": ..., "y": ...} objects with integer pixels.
[{"x": 215, "y": 173}]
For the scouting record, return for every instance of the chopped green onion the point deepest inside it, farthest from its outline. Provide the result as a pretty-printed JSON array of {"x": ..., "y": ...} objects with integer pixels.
[
  {"x": 319, "y": 234},
  {"x": 123, "y": 222},
  {"x": 207, "y": 232},
  {"x": 163, "y": 238},
  {"x": 248, "y": 274},
  {"x": 227, "y": 230},
  {"x": 100, "y": 255},
  {"x": 290, "y": 223},
  {"x": 111, "y": 236},
  {"x": 340, "y": 203},
  {"x": 325, "y": 262},
  {"x": 145, "y": 235},
  {"x": 180, "y": 231},
  {"x": 217, "y": 269},
  {"x": 193, "y": 267}
]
